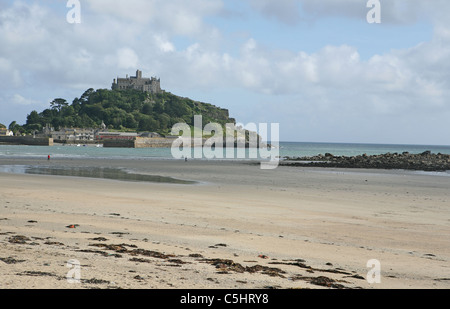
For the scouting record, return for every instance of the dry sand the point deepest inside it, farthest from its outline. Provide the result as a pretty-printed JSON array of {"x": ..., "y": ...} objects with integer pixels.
[{"x": 240, "y": 227}]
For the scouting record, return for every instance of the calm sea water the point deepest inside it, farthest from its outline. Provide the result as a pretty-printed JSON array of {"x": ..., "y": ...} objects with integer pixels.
[{"x": 291, "y": 149}]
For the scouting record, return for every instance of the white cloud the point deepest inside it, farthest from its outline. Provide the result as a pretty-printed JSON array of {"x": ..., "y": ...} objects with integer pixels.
[
  {"x": 285, "y": 11},
  {"x": 393, "y": 11},
  {"x": 6, "y": 71},
  {"x": 17, "y": 99},
  {"x": 112, "y": 46},
  {"x": 127, "y": 58},
  {"x": 163, "y": 44},
  {"x": 131, "y": 10},
  {"x": 176, "y": 17}
]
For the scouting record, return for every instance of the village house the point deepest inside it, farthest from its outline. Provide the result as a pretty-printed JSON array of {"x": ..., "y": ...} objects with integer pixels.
[
  {"x": 72, "y": 134},
  {"x": 65, "y": 135},
  {"x": 6, "y": 132},
  {"x": 100, "y": 136}
]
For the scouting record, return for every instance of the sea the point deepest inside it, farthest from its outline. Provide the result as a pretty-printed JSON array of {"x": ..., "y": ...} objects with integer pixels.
[{"x": 284, "y": 149}]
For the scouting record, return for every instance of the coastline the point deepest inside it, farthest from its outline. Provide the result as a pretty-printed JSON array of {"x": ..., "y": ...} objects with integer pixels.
[{"x": 239, "y": 227}]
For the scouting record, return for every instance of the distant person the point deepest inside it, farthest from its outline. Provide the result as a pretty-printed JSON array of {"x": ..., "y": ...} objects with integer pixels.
[{"x": 49, "y": 157}]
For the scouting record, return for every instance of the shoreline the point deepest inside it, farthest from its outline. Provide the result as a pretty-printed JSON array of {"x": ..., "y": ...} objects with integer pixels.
[
  {"x": 426, "y": 161},
  {"x": 241, "y": 228}
]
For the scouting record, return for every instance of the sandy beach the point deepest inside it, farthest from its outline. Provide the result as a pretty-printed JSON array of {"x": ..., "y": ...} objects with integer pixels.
[{"x": 238, "y": 227}]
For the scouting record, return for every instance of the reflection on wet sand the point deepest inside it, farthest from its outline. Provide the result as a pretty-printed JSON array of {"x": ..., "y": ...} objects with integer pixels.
[{"x": 91, "y": 172}]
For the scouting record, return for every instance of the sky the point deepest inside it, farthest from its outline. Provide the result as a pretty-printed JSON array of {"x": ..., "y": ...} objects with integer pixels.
[{"x": 316, "y": 67}]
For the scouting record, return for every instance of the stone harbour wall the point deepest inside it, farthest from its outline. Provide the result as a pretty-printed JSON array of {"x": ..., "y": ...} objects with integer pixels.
[
  {"x": 143, "y": 142},
  {"x": 26, "y": 140}
]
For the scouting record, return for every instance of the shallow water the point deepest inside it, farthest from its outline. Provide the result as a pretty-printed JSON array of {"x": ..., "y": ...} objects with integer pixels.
[
  {"x": 289, "y": 149},
  {"x": 90, "y": 172}
]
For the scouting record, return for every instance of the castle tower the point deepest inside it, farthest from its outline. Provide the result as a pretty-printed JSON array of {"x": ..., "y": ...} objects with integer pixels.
[{"x": 138, "y": 74}]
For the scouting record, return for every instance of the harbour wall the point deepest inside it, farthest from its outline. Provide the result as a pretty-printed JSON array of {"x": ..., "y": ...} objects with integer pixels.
[
  {"x": 139, "y": 142},
  {"x": 145, "y": 142},
  {"x": 26, "y": 140}
]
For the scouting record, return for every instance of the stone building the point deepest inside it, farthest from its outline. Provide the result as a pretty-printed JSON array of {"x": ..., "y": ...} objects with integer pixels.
[
  {"x": 151, "y": 85},
  {"x": 73, "y": 135}
]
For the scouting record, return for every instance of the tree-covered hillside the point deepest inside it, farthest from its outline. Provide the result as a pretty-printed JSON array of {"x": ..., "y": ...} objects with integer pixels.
[{"x": 125, "y": 110}]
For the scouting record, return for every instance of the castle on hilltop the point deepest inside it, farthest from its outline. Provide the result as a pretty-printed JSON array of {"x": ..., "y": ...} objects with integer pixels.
[{"x": 151, "y": 85}]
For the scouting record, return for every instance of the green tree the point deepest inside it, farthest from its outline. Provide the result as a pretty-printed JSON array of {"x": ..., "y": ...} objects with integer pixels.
[
  {"x": 33, "y": 118},
  {"x": 127, "y": 109},
  {"x": 148, "y": 123},
  {"x": 16, "y": 128},
  {"x": 95, "y": 112},
  {"x": 130, "y": 122},
  {"x": 12, "y": 125},
  {"x": 164, "y": 121},
  {"x": 85, "y": 97},
  {"x": 68, "y": 111},
  {"x": 158, "y": 108},
  {"x": 58, "y": 104},
  {"x": 147, "y": 109}
]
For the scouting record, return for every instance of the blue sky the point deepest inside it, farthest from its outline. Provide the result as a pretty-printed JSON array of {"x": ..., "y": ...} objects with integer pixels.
[
  {"x": 316, "y": 67},
  {"x": 310, "y": 35}
]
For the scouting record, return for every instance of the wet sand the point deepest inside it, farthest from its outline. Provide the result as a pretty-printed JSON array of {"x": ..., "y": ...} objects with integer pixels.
[{"x": 238, "y": 227}]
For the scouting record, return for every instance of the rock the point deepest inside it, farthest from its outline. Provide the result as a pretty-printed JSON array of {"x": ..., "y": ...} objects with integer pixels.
[
  {"x": 327, "y": 282},
  {"x": 19, "y": 239},
  {"x": 425, "y": 161},
  {"x": 10, "y": 260}
]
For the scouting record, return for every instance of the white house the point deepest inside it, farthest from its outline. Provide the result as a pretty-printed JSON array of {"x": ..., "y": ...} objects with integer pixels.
[{"x": 6, "y": 132}]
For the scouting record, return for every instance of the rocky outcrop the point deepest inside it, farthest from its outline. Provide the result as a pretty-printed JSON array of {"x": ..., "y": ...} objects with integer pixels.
[{"x": 425, "y": 161}]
